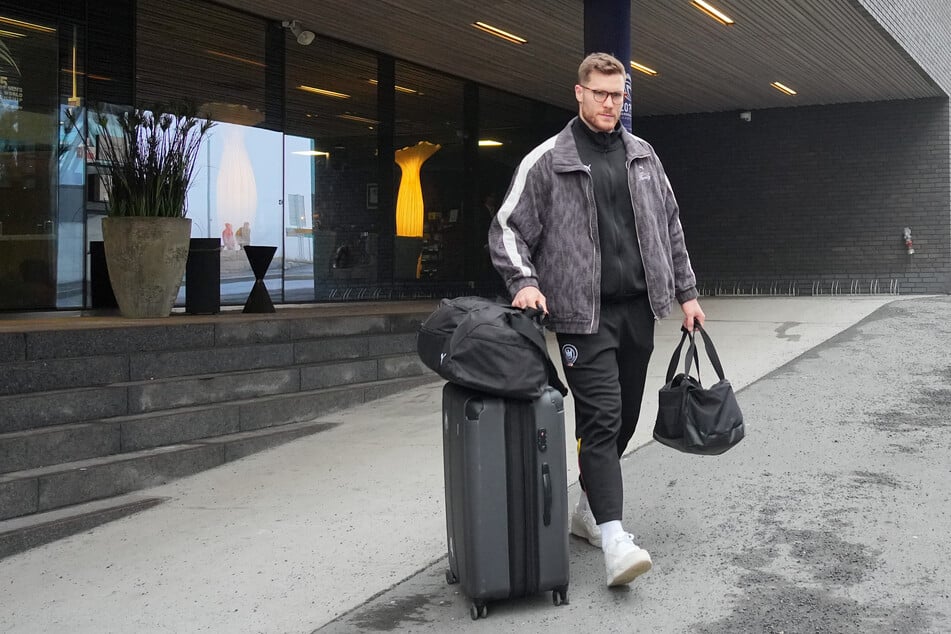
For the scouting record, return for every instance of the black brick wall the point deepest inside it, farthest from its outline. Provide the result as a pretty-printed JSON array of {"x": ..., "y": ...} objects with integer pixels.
[{"x": 813, "y": 193}]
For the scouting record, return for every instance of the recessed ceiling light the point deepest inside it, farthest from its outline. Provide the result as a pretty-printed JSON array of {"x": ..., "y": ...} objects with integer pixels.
[
  {"x": 311, "y": 153},
  {"x": 353, "y": 117},
  {"x": 325, "y": 93},
  {"x": 497, "y": 32},
  {"x": 403, "y": 89},
  {"x": 81, "y": 73},
  {"x": 713, "y": 12},
  {"x": 783, "y": 88},
  {"x": 26, "y": 25},
  {"x": 644, "y": 69},
  {"x": 235, "y": 58}
]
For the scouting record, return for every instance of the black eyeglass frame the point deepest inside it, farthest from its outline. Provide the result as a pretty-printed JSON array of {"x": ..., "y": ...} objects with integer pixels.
[{"x": 617, "y": 98}]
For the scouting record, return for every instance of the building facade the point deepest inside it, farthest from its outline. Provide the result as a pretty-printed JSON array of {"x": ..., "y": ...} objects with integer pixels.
[{"x": 324, "y": 143}]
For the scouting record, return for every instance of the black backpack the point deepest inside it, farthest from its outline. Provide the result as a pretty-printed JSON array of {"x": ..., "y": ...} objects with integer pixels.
[{"x": 488, "y": 346}]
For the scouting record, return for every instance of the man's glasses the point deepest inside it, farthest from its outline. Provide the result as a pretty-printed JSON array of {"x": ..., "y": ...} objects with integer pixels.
[{"x": 601, "y": 95}]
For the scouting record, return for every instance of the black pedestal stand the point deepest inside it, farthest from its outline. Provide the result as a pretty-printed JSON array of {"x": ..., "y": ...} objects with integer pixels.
[{"x": 259, "y": 301}]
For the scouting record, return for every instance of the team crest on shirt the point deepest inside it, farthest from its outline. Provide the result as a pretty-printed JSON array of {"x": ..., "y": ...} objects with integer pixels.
[{"x": 570, "y": 354}]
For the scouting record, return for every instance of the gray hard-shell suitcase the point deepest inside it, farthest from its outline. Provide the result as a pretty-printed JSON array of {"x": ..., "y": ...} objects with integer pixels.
[{"x": 506, "y": 495}]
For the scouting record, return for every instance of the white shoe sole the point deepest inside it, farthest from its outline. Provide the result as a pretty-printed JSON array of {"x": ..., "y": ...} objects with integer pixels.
[
  {"x": 626, "y": 575},
  {"x": 579, "y": 529}
]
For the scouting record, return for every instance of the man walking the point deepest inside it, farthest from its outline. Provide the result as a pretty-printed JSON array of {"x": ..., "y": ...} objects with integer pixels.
[{"x": 590, "y": 233}]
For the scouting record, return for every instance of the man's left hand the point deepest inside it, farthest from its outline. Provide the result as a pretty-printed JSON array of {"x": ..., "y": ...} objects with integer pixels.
[{"x": 692, "y": 311}]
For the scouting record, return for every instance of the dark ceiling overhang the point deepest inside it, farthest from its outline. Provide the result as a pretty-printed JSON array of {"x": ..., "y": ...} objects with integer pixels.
[{"x": 829, "y": 51}]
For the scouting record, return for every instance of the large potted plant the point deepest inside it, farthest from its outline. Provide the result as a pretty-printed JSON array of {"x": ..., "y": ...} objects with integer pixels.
[{"x": 147, "y": 159}]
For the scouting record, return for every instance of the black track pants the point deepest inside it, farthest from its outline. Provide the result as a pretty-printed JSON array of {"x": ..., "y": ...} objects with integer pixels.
[{"x": 606, "y": 372}]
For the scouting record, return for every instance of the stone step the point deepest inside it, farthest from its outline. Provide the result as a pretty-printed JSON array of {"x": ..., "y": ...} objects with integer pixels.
[
  {"x": 44, "y": 446},
  {"x": 100, "y": 367},
  {"x": 160, "y": 365},
  {"x": 47, "y": 488},
  {"x": 164, "y": 394},
  {"x": 21, "y": 412},
  {"x": 22, "y": 533},
  {"x": 62, "y": 340},
  {"x": 38, "y": 340}
]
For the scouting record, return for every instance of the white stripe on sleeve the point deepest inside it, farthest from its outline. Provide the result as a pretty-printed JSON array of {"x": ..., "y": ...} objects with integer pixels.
[{"x": 508, "y": 205}]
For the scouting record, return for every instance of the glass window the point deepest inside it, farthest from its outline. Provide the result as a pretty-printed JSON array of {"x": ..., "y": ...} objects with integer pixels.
[
  {"x": 332, "y": 210},
  {"x": 29, "y": 153},
  {"x": 236, "y": 196},
  {"x": 214, "y": 59},
  {"x": 509, "y": 128},
  {"x": 430, "y": 185}
]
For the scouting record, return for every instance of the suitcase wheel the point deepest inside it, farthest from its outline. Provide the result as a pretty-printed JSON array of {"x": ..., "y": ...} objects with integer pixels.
[
  {"x": 451, "y": 578},
  {"x": 478, "y": 610},
  {"x": 559, "y": 596}
]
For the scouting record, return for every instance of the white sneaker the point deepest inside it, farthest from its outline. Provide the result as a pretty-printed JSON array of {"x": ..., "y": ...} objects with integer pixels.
[
  {"x": 584, "y": 526},
  {"x": 624, "y": 560}
]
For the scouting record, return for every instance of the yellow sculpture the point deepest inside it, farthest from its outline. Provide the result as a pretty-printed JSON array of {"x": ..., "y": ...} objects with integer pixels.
[{"x": 409, "y": 199}]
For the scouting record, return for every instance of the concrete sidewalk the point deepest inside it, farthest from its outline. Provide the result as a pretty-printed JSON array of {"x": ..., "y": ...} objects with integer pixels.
[{"x": 289, "y": 539}]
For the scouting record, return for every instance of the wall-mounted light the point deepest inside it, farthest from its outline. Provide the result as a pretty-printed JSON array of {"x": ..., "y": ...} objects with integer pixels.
[
  {"x": 713, "y": 12},
  {"x": 489, "y": 143},
  {"x": 644, "y": 69},
  {"x": 304, "y": 38},
  {"x": 783, "y": 88},
  {"x": 311, "y": 153},
  {"x": 497, "y": 32}
]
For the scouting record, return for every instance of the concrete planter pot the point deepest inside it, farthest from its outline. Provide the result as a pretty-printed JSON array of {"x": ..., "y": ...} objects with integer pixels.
[{"x": 146, "y": 259}]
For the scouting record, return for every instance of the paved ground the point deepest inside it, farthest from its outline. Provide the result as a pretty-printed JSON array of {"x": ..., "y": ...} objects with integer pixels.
[{"x": 832, "y": 515}]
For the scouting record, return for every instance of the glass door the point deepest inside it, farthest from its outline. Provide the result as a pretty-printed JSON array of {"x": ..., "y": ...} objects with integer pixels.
[{"x": 29, "y": 158}]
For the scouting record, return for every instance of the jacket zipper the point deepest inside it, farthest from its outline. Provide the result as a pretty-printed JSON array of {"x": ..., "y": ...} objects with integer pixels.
[
  {"x": 637, "y": 231},
  {"x": 594, "y": 246}
]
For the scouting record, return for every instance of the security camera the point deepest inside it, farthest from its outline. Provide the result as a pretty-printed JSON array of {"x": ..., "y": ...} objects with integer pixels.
[
  {"x": 746, "y": 115},
  {"x": 303, "y": 37}
]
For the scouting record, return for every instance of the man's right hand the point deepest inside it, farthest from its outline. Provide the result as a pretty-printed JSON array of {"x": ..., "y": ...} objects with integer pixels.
[{"x": 530, "y": 297}]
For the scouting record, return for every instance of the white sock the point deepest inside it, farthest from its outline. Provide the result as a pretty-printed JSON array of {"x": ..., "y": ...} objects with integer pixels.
[
  {"x": 608, "y": 531},
  {"x": 583, "y": 503}
]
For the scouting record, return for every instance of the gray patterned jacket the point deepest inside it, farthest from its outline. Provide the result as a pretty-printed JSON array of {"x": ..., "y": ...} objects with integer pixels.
[{"x": 545, "y": 234}]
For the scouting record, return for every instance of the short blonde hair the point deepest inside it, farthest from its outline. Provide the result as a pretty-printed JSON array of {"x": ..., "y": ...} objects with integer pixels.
[{"x": 602, "y": 63}]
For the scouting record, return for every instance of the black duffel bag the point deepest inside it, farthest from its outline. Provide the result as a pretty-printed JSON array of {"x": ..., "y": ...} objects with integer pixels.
[
  {"x": 694, "y": 419},
  {"x": 488, "y": 346}
]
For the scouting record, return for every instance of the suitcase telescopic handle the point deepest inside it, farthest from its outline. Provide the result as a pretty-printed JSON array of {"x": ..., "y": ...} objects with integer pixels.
[{"x": 546, "y": 488}]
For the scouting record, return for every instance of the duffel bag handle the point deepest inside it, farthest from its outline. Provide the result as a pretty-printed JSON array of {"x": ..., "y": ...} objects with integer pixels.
[
  {"x": 537, "y": 339},
  {"x": 711, "y": 351},
  {"x": 691, "y": 352}
]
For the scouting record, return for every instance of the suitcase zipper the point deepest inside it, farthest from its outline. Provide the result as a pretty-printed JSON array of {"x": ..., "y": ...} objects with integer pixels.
[{"x": 532, "y": 482}]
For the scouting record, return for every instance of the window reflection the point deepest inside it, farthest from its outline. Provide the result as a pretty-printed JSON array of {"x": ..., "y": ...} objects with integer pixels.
[
  {"x": 332, "y": 210},
  {"x": 216, "y": 61},
  {"x": 509, "y": 128},
  {"x": 29, "y": 152},
  {"x": 320, "y": 181},
  {"x": 435, "y": 260},
  {"x": 236, "y": 197}
]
